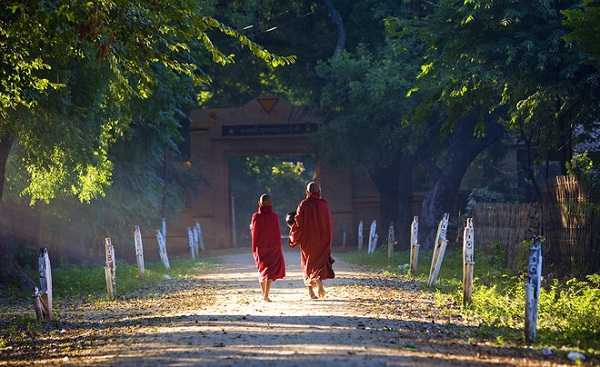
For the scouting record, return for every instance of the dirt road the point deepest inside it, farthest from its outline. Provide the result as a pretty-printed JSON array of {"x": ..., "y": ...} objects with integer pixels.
[{"x": 219, "y": 319}]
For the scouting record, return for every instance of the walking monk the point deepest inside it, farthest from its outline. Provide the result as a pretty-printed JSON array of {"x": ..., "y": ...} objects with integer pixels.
[
  {"x": 311, "y": 230},
  {"x": 266, "y": 245}
]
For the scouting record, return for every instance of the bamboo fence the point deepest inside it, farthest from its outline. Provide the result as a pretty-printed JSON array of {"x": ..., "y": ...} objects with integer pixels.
[{"x": 507, "y": 225}]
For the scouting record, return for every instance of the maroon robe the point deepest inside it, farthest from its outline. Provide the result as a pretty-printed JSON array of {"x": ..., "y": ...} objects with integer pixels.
[
  {"x": 312, "y": 231},
  {"x": 266, "y": 244}
]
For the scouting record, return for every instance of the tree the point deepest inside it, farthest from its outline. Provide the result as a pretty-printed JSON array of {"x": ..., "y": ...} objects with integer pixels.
[
  {"x": 119, "y": 46},
  {"x": 584, "y": 25},
  {"x": 77, "y": 76},
  {"x": 366, "y": 122},
  {"x": 505, "y": 62}
]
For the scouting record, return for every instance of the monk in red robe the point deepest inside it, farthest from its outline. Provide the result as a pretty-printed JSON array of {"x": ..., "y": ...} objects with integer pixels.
[
  {"x": 266, "y": 245},
  {"x": 311, "y": 230}
]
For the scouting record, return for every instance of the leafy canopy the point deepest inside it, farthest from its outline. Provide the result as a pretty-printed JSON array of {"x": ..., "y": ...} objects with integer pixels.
[{"x": 74, "y": 72}]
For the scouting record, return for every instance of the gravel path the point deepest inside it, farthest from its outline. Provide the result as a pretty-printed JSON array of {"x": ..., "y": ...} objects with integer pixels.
[{"x": 219, "y": 319}]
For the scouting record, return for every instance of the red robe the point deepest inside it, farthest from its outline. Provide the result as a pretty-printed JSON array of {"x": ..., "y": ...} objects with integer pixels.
[
  {"x": 266, "y": 244},
  {"x": 312, "y": 231}
]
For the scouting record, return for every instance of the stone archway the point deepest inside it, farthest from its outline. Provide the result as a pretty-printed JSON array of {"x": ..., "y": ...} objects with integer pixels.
[{"x": 265, "y": 125}]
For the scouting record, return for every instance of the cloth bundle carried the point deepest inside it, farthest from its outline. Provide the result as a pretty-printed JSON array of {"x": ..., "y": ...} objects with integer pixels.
[{"x": 290, "y": 218}]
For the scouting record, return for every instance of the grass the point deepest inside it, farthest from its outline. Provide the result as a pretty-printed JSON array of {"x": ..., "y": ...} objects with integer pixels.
[
  {"x": 569, "y": 310},
  {"x": 89, "y": 282}
]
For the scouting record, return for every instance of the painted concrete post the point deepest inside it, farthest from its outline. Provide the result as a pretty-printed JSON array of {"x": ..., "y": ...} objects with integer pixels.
[
  {"x": 139, "y": 250},
  {"x": 191, "y": 242},
  {"x": 200, "y": 236},
  {"x": 110, "y": 269},
  {"x": 372, "y": 238},
  {"x": 361, "y": 238},
  {"x": 532, "y": 290},
  {"x": 391, "y": 240},
  {"x": 163, "y": 228},
  {"x": 233, "y": 224},
  {"x": 45, "y": 292},
  {"x": 414, "y": 245},
  {"x": 439, "y": 250},
  {"x": 468, "y": 261},
  {"x": 162, "y": 250}
]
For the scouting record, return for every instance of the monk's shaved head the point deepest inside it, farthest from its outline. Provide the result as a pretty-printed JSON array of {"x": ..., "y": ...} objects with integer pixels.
[
  {"x": 313, "y": 187},
  {"x": 265, "y": 200}
]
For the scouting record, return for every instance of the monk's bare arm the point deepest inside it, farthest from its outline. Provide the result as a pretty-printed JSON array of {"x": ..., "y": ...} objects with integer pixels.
[
  {"x": 253, "y": 230},
  {"x": 296, "y": 229}
]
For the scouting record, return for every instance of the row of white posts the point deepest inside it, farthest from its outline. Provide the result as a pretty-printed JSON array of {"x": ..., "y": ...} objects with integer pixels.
[
  {"x": 195, "y": 243},
  {"x": 534, "y": 272},
  {"x": 42, "y": 296}
]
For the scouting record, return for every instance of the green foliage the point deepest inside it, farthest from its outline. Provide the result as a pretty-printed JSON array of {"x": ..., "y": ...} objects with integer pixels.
[
  {"x": 508, "y": 60},
  {"x": 284, "y": 178},
  {"x": 89, "y": 281},
  {"x": 584, "y": 22},
  {"x": 584, "y": 168},
  {"x": 76, "y": 73},
  {"x": 569, "y": 311}
]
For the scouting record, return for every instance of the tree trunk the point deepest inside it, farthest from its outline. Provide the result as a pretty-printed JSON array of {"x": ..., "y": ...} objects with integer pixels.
[
  {"x": 6, "y": 142},
  {"x": 8, "y": 267},
  {"x": 386, "y": 181},
  {"x": 463, "y": 148},
  {"x": 394, "y": 184},
  {"x": 336, "y": 18}
]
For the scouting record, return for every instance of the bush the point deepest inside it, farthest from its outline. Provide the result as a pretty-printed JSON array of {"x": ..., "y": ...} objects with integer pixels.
[{"x": 569, "y": 311}]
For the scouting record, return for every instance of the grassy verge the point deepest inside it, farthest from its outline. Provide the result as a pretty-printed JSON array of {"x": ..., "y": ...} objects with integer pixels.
[
  {"x": 569, "y": 312},
  {"x": 87, "y": 284}
]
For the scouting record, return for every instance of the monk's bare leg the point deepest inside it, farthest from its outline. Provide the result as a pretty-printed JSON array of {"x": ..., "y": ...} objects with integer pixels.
[
  {"x": 311, "y": 292},
  {"x": 321, "y": 289},
  {"x": 268, "y": 284},
  {"x": 262, "y": 283}
]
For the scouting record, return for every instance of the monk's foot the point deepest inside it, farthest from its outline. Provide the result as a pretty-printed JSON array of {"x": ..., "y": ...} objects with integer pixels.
[
  {"x": 311, "y": 293},
  {"x": 322, "y": 292}
]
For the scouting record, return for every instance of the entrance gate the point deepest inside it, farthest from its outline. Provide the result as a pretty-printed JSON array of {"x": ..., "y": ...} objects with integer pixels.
[{"x": 265, "y": 125}]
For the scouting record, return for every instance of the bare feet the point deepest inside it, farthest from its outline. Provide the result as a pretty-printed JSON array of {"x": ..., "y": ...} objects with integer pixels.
[
  {"x": 311, "y": 293},
  {"x": 321, "y": 289},
  {"x": 322, "y": 292},
  {"x": 267, "y": 299}
]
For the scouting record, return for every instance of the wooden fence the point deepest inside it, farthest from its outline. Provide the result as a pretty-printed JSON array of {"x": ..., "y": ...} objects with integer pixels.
[
  {"x": 505, "y": 225},
  {"x": 566, "y": 219}
]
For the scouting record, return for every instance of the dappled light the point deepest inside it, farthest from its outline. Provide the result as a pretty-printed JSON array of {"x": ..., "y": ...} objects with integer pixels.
[{"x": 300, "y": 183}]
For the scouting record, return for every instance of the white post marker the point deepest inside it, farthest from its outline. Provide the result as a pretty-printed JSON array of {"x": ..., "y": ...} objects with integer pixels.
[
  {"x": 162, "y": 250},
  {"x": 468, "y": 261},
  {"x": 414, "y": 245},
  {"x": 139, "y": 250},
  {"x": 361, "y": 238},
  {"x": 391, "y": 241},
  {"x": 110, "y": 270},
  {"x": 45, "y": 292},
  {"x": 233, "y": 225},
  {"x": 532, "y": 290},
  {"x": 439, "y": 250},
  {"x": 191, "y": 242},
  {"x": 200, "y": 234},
  {"x": 163, "y": 228},
  {"x": 372, "y": 238}
]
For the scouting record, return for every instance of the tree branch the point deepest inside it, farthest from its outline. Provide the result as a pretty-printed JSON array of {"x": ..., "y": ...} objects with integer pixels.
[{"x": 336, "y": 18}]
